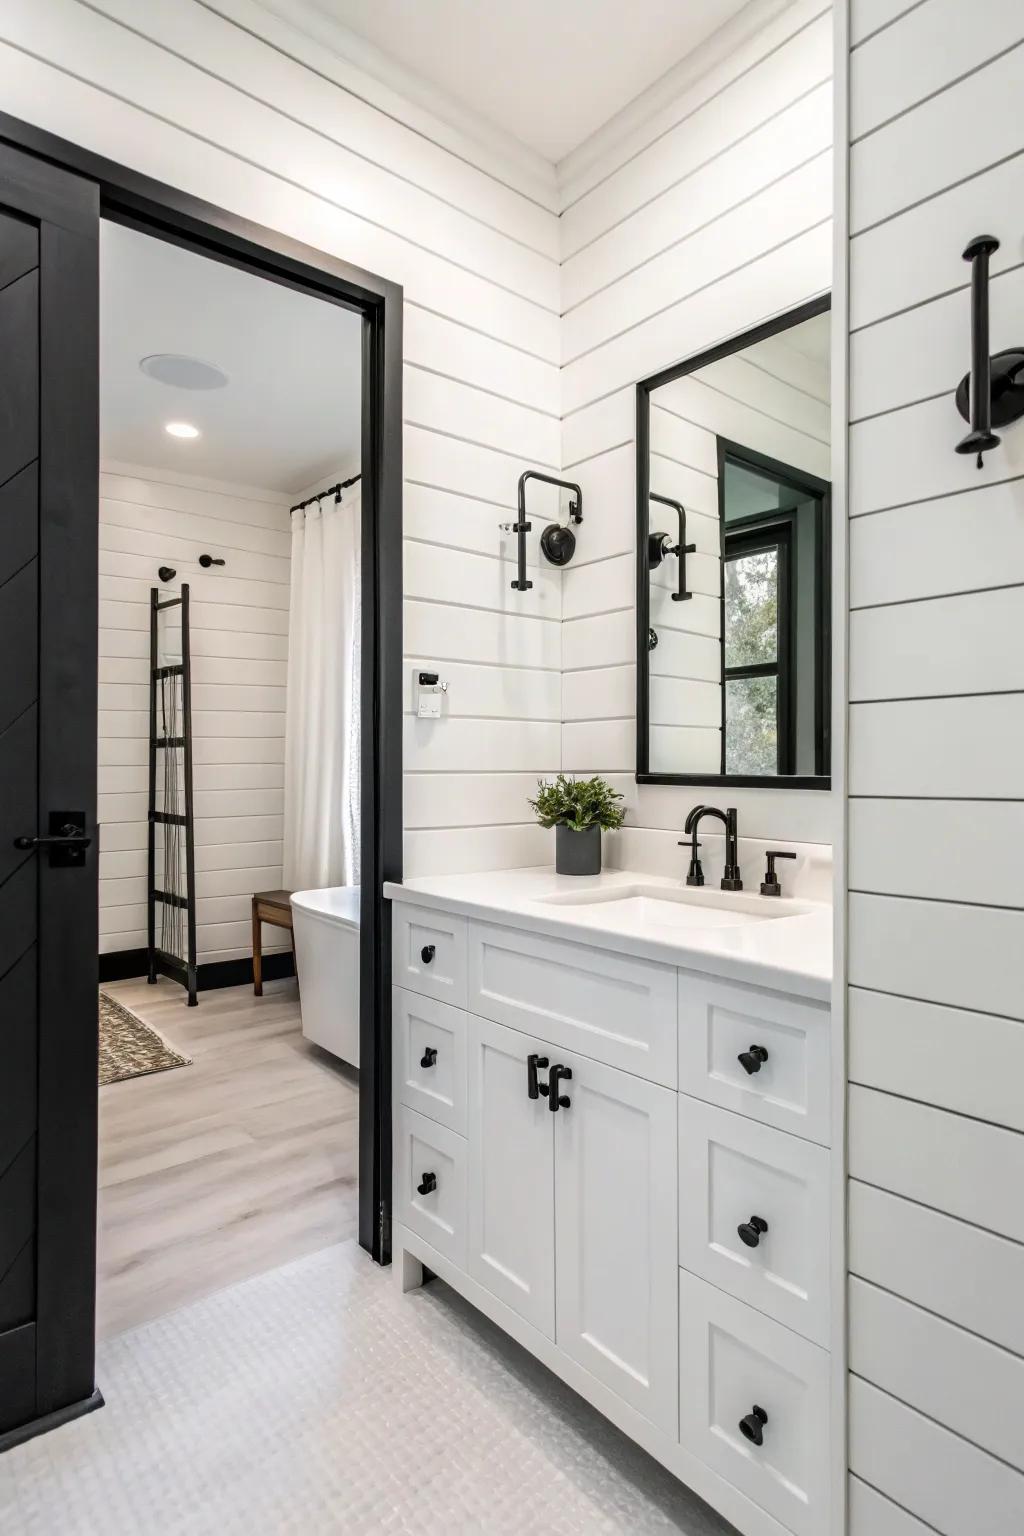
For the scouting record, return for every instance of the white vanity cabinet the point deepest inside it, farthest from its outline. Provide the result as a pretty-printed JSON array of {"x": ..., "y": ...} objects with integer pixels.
[{"x": 660, "y": 1239}]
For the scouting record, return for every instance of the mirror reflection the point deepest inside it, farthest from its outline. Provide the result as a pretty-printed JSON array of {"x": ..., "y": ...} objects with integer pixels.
[{"x": 733, "y": 636}]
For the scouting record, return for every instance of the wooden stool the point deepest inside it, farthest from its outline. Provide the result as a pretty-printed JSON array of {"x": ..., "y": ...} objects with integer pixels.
[{"x": 267, "y": 907}]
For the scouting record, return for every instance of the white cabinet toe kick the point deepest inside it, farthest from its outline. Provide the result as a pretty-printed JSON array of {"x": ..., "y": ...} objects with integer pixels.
[{"x": 626, "y": 1166}]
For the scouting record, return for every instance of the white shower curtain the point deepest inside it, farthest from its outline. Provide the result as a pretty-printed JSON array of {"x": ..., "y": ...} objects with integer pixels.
[{"x": 321, "y": 762}]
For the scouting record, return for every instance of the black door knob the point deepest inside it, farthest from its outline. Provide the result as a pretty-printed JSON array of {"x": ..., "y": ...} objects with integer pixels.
[
  {"x": 429, "y": 1057},
  {"x": 428, "y": 1185},
  {"x": 752, "y": 1231},
  {"x": 752, "y": 1061},
  {"x": 427, "y": 953},
  {"x": 752, "y": 1425},
  {"x": 556, "y": 1100}
]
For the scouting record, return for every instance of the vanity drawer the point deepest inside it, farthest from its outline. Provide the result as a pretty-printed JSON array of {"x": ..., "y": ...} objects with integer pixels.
[
  {"x": 733, "y": 1360},
  {"x": 430, "y": 1182},
  {"x": 612, "y": 1008},
  {"x": 428, "y": 953},
  {"x": 429, "y": 1044},
  {"x": 731, "y": 1171},
  {"x": 783, "y": 1040}
]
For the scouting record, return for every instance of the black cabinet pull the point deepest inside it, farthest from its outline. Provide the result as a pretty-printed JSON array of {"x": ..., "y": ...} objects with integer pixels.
[
  {"x": 427, "y": 953},
  {"x": 533, "y": 1088},
  {"x": 556, "y": 1100},
  {"x": 752, "y": 1425},
  {"x": 429, "y": 1057},
  {"x": 753, "y": 1060},
  {"x": 752, "y": 1231},
  {"x": 428, "y": 1185}
]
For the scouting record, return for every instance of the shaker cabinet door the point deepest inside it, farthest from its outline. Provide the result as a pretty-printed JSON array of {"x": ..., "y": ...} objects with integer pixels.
[
  {"x": 511, "y": 1177},
  {"x": 616, "y": 1234}
]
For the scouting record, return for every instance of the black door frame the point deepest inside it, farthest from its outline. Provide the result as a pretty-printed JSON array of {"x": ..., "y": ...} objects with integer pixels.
[{"x": 129, "y": 197}]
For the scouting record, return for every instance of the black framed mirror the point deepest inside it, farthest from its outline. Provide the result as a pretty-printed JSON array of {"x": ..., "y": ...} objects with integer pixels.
[{"x": 734, "y": 592}]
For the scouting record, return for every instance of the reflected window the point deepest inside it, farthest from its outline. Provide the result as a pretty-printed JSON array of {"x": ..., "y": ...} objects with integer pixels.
[{"x": 757, "y": 653}]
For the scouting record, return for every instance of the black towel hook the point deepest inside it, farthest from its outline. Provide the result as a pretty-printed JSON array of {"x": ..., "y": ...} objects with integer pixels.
[{"x": 993, "y": 391}]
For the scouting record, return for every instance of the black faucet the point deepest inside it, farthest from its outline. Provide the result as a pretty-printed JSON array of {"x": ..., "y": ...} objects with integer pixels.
[{"x": 731, "y": 880}]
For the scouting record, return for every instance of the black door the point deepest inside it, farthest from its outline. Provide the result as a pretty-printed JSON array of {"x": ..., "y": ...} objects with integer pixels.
[{"x": 48, "y": 904}]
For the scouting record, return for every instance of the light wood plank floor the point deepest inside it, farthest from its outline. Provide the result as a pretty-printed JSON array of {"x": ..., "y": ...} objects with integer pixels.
[{"x": 237, "y": 1164}]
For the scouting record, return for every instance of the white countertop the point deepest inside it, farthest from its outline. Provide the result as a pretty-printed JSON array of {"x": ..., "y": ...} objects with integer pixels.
[{"x": 791, "y": 953}]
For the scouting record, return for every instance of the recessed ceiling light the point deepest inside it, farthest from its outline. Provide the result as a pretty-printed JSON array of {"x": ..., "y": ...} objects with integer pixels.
[
  {"x": 181, "y": 429},
  {"x": 182, "y": 372}
]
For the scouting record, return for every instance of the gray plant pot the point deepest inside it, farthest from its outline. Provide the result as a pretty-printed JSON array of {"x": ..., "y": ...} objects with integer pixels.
[{"x": 577, "y": 853}]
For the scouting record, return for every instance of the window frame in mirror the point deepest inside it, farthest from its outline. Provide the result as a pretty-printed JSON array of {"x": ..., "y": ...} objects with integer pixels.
[{"x": 644, "y": 389}]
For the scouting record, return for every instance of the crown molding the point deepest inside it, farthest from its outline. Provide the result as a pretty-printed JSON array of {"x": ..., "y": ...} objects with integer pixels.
[
  {"x": 631, "y": 129},
  {"x": 306, "y": 34}
]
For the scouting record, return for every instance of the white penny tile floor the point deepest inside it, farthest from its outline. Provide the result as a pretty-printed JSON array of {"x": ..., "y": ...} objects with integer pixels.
[{"x": 316, "y": 1398}]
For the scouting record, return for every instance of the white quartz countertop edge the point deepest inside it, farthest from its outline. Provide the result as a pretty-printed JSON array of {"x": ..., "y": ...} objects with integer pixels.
[{"x": 792, "y": 955}]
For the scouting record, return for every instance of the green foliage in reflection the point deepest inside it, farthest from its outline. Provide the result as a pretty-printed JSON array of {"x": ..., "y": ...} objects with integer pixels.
[
  {"x": 751, "y": 725},
  {"x": 577, "y": 803},
  {"x": 751, "y": 609}
]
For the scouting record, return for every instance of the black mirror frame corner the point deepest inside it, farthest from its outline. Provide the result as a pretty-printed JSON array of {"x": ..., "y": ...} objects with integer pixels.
[{"x": 644, "y": 389}]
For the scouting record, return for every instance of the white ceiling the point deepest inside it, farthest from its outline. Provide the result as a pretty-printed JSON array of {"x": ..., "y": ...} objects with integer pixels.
[
  {"x": 290, "y": 412},
  {"x": 549, "y": 72}
]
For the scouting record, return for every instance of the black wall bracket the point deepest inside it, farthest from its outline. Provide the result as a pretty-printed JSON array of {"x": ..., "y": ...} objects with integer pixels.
[
  {"x": 659, "y": 545},
  {"x": 557, "y": 543},
  {"x": 992, "y": 394}
]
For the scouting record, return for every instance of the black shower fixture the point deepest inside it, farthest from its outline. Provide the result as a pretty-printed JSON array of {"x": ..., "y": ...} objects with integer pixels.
[
  {"x": 993, "y": 392},
  {"x": 207, "y": 560},
  {"x": 167, "y": 573},
  {"x": 558, "y": 543}
]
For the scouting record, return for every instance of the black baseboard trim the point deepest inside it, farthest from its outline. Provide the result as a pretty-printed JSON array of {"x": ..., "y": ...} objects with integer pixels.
[
  {"x": 42, "y": 1426},
  {"x": 126, "y": 964}
]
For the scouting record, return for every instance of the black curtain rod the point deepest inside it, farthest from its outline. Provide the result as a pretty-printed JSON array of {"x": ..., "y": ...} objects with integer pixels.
[{"x": 332, "y": 490}]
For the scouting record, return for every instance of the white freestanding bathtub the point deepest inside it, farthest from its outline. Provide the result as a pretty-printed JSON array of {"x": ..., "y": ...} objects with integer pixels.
[{"x": 325, "y": 926}]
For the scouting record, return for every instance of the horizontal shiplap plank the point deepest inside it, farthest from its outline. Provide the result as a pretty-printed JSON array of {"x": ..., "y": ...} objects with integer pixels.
[
  {"x": 961, "y": 543},
  {"x": 872, "y": 1514},
  {"x": 909, "y": 455},
  {"x": 679, "y": 654},
  {"x": 883, "y": 281},
  {"x": 870, "y": 16},
  {"x": 446, "y": 405},
  {"x": 966, "y": 1383},
  {"x": 939, "y": 951},
  {"x": 952, "y": 1268},
  {"x": 463, "y": 850},
  {"x": 947, "y": 1162},
  {"x": 454, "y": 576},
  {"x": 436, "y": 800},
  {"x": 606, "y": 640},
  {"x": 598, "y": 693},
  {"x": 685, "y": 748},
  {"x": 455, "y": 521},
  {"x": 934, "y": 1474},
  {"x": 448, "y": 633},
  {"x": 903, "y": 848},
  {"x": 499, "y": 692},
  {"x": 938, "y": 748},
  {"x": 598, "y": 746},
  {"x": 917, "y": 650},
  {"x": 461, "y": 744},
  {"x": 131, "y": 550},
  {"x": 926, "y": 51},
  {"x": 434, "y": 458},
  {"x": 598, "y": 588},
  {"x": 441, "y": 344}
]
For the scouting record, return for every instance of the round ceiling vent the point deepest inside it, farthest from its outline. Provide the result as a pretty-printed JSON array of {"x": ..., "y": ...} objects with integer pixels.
[{"x": 182, "y": 372}]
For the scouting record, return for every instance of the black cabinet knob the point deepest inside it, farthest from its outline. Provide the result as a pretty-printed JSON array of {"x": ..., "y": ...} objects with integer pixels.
[
  {"x": 752, "y": 1061},
  {"x": 533, "y": 1088},
  {"x": 558, "y": 1100},
  {"x": 427, "y": 953},
  {"x": 752, "y": 1425},
  {"x": 752, "y": 1231},
  {"x": 429, "y": 1057},
  {"x": 428, "y": 1185}
]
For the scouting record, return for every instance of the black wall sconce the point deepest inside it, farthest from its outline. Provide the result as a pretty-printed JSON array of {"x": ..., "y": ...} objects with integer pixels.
[
  {"x": 207, "y": 560},
  {"x": 992, "y": 394},
  {"x": 660, "y": 544},
  {"x": 558, "y": 544}
]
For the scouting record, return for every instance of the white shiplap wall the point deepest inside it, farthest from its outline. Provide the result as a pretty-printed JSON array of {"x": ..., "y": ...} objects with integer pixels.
[
  {"x": 239, "y": 642},
  {"x": 225, "y": 100},
  {"x": 936, "y": 807},
  {"x": 713, "y": 216}
]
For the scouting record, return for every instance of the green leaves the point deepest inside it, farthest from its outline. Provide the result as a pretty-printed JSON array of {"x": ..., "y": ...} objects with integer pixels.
[{"x": 578, "y": 803}]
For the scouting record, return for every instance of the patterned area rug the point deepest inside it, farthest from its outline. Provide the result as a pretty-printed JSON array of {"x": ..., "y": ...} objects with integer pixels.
[{"x": 129, "y": 1048}]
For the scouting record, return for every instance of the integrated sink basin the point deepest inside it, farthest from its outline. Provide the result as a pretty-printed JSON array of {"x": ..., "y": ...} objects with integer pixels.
[{"x": 642, "y": 908}]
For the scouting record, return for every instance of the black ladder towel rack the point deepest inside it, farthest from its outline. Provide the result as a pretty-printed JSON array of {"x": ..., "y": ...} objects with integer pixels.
[{"x": 170, "y": 734}]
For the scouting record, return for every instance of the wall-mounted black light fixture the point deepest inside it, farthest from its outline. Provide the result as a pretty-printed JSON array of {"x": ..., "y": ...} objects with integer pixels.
[
  {"x": 167, "y": 573},
  {"x": 992, "y": 394},
  {"x": 660, "y": 544},
  {"x": 207, "y": 560},
  {"x": 558, "y": 544}
]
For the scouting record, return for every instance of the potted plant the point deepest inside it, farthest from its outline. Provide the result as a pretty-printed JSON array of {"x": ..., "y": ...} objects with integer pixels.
[{"x": 578, "y": 809}]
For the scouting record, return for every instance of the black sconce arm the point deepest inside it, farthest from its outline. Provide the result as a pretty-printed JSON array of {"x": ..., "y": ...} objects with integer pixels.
[
  {"x": 682, "y": 549},
  {"x": 993, "y": 391},
  {"x": 521, "y": 527}
]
